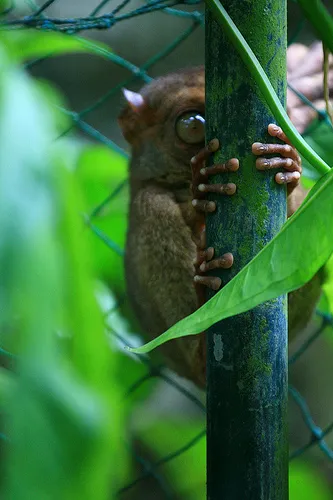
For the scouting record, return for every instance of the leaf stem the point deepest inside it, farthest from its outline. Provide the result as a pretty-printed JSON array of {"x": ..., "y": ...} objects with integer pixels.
[{"x": 329, "y": 108}]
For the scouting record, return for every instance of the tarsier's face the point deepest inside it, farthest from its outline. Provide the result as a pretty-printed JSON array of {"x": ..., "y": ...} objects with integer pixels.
[{"x": 165, "y": 125}]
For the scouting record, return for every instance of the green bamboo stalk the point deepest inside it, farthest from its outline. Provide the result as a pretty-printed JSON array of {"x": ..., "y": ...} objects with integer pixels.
[{"x": 247, "y": 447}]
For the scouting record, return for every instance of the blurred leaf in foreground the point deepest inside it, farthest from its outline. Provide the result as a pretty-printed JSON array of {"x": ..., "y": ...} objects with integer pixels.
[
  {"x": 25, "y": 45},
  {"x": 102, "y": 173},
  {"x": 63, "y": 413}
]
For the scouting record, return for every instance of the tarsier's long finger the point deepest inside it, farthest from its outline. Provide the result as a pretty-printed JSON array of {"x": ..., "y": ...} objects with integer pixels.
[
  {"x": 212, "y": 282},
  {"x": 276, "y": 131},
  {"x": 223, "y": 262},
  {"x": 203, "y": 255},
  {"x": 231, "y": 165},
  {"x": 286, "y": 163},
  {"x": 207, "y": 206},
  {"x": 285, "y": 150},
  {"x": 290, "y": 178},
  {"x": 227, "y": 189},
  {"x": 204, "y": 205},
  {"x": 205, "y": 153}
]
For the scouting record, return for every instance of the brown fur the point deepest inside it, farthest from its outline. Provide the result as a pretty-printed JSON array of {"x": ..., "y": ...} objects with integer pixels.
[{"x": 160, "y": 250}]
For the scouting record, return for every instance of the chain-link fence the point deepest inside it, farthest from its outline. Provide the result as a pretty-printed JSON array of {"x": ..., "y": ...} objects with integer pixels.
[{"x": 191, "y": 11}]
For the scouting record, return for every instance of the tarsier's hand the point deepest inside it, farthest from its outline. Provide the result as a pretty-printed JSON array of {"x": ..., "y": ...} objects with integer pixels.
[
  {"x": 288, "y": 161},
  {"x": 305, "y": 74}
]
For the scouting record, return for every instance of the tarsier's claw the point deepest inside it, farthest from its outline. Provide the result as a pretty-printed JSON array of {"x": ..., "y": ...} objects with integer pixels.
[
  {"x": 288, "y": 158},
  {"x": 210, "y": 281}
]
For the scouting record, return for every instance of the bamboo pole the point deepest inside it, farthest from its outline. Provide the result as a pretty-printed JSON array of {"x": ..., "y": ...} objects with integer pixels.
[{"x": 247, "y": 446}]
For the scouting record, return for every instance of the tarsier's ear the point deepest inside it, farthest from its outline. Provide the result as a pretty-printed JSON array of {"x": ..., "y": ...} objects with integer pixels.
[
  {"x": 134, "y": 100},
  {"x": 133, "y": 116}
]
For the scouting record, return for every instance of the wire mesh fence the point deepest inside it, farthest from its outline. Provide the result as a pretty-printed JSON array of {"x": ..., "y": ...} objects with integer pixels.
[{"x": 38, "y": 18}]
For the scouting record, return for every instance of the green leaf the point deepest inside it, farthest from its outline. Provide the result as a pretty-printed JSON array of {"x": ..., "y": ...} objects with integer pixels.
[
  {"x": 26, "y": 45},
  {"x": 290, "y": 260}
]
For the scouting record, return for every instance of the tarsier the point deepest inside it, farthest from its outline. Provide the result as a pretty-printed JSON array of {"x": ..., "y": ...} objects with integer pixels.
[{"x": 165, "y": 250}]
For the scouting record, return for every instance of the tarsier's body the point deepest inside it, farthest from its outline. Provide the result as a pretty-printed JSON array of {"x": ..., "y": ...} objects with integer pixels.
[{"x": 164, "y": 223}]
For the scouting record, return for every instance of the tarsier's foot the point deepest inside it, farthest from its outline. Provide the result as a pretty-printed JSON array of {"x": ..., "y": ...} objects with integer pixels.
[
  {"x": 205, "y": 261},
  {"x": 289, "y": 159}
]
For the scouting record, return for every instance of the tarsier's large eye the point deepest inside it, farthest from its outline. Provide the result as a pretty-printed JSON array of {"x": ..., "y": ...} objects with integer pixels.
[{"x": 190, "y": 127}]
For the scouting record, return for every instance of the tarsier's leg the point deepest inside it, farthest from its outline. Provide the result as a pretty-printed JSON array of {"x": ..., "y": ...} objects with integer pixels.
[{"x": 288, "y": 160}]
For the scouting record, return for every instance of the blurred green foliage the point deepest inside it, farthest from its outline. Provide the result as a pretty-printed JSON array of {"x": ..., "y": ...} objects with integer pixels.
[
  {"x": 186, "y": 472},
  {"x": 319, "y": 137},
  {"x": 99, "y": 172},
  {"x": 63, "y": 414},
  {"x": 27, "y": 45}
]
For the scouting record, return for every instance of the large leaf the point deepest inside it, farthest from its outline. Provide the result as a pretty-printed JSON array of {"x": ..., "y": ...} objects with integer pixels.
[{"x": 286, "y": 263}]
